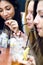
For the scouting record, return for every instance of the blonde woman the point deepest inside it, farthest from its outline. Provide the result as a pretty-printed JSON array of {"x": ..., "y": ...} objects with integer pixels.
[
  {"x": 29, "y": 20},
  {"x": 29, "y": 14},
  {"x": 30, "y": 25}
]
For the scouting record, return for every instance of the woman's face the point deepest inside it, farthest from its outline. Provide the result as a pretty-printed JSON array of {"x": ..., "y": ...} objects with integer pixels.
[
  {"x": 29, "y": 16},
  {"x": 6, "y": 10},
  {"x": 39, "y": 18}
]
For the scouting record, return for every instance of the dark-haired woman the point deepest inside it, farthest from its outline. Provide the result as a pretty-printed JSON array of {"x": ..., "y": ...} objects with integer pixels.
[
  {"x": 10, "y": 20},
  {"x": 10, "y": 10}
]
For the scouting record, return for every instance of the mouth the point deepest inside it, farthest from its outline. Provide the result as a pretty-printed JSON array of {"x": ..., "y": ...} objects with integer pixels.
[
  {"x": 7, "y": 18},
  {"x": 38, "y": 29},
  {"x": 29, "y": 24}
]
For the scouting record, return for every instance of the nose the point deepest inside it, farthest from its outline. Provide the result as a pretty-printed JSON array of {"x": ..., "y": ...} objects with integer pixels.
[
  {"x": 36, "y": 20},
  {"x": 4, "y": 12},
  {"x": 28, "y": 16}
]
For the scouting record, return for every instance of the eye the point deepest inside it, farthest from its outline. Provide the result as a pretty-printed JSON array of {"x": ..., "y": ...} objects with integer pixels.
[
  {"x": 41, "y": 16},
  {"x": 8, "y": 8},
  {"x": 1, "y": 10},
  {"x": 32, "y": 12}
]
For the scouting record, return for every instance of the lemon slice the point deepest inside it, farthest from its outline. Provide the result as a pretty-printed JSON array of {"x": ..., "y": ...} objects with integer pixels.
[{"x": 25, "y": 53}]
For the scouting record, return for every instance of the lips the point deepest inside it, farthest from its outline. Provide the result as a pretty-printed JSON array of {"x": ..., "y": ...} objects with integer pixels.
[
  {"x": 38, "y": 29},
  {"x": 29, "y": 24},
  {"x": 7, "y": 17}
]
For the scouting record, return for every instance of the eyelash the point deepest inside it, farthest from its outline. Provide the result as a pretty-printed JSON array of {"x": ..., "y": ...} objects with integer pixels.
[
  {"x": 41, "y": 16},
  {"x": 7, "y": 8},
  {"x": 1, "y": 10}
]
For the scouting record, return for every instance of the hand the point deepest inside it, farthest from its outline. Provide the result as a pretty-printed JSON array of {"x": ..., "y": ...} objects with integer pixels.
[
  {"x": 12, "y": 24},
  {"x": 31, "y": 60},
  {"x": 21, "y": 34}
]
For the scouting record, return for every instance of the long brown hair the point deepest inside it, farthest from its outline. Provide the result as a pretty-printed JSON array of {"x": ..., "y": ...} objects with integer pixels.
[{"x": 39, "y": 39}]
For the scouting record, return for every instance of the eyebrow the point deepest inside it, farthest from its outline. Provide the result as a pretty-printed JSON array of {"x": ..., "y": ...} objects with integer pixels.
[
  {"x": 7, "y": 6},
  {"x": 39, "y": 11}
]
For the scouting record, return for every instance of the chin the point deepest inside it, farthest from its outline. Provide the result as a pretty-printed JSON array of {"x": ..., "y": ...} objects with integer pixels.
[
  {"x": 29, "y": 27},
  {"x": 40, "y": 35}
]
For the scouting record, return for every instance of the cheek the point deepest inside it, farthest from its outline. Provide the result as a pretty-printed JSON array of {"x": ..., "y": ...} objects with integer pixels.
[
  {"x": 42, "y": 23},
  {"x": 1, "y": 15},
  {"x": 41, "y": 33},
  {"x": 32, "y": 17},
  {"x": 12, "y": 12}
]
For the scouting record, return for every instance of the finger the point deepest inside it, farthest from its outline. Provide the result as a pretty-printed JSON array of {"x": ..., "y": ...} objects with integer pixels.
[
  {"x": 14, "y": 25},
  {"x": 8, "y": 22}
]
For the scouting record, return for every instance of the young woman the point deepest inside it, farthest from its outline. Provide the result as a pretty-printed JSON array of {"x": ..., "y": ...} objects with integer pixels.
[
  {"x": 29, "y": 13},
  {"x": 29, "y": 20},
  {"x": 10, "y": 10},
  {"x": 8, "y": 20},
  {"x": 38, "y": 21},
  {"x": 31, "y": 29},
  {"x": 29, "y": 25}
]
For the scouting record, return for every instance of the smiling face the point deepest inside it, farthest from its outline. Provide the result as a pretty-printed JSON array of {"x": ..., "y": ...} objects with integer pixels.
[
  {"x": 39, "y": 19},
  {"x": 6, "y": 11},
  {"x": 29, "y": 16}
]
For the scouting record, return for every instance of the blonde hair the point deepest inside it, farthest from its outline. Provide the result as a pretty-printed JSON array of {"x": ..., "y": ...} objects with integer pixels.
[
  {"x": 26, "y": 12},
  {"x": 32, "y": 34}
]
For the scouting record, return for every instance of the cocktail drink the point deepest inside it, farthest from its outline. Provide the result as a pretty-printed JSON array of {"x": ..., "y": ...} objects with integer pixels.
[{"x": 3, "y": 39}]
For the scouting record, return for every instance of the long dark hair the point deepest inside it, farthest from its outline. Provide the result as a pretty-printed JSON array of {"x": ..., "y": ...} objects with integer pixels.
[
  {"x": 39, "y": 39},
  {"x": 1, "y": 23},
  {"x": 17, "y": 15}
]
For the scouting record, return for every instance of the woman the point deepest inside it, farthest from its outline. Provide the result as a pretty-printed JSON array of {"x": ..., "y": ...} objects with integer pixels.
[
  {"x": 32, "y": 33},
  {"x": 29, "y": 24},
  {"x": 10, "y": 12},
  {"x": 29, "y": 20},
  {"x": 9, "y": 15},
  {"x": 4, "y": 52},
  {"x": 28, "y": 11},
  {"x": 38, "y": 21}
]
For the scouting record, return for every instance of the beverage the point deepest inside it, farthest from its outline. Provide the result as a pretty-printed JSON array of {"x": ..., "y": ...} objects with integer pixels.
[{"x": 16, "y": 63}]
